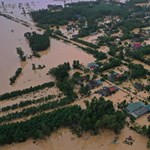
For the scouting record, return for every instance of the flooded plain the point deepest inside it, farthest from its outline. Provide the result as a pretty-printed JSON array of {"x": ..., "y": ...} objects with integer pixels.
[
  {"x": 58, "y": 53},
  {"x": 63, "y": 139}
]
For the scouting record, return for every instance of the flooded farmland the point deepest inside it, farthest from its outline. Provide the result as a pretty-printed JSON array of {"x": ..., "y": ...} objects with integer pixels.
[{"x": 12, "y": 36}]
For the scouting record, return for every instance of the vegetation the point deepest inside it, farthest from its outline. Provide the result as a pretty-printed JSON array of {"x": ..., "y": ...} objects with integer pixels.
[
  {"x": 140, "y": 53},
  {"x": 64, "y": 82},
  {"x": 98, "y": 114},
  {"x": 26, "y": 91},
  {"x": 137, "y": 71},
  {"x": 21, "y": 54},
  {"x": 37, "y": 41},
  {"x": 86, "y": 43},
  {"x": 27, "y": 103},
  {"x": 98, "y": 55},
  {"x": 13, "y": 78},
  {"x": 35, "y": 109}
]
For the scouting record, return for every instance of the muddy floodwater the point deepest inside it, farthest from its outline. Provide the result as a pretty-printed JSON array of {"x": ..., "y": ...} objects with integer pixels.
[
  {"x": 58, "y": 53},
  {"x": 63, "y": 139},
  {"x": 12, "y": 36}
]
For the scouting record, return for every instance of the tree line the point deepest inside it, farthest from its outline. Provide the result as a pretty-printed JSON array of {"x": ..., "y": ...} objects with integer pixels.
[
  {"x": 26, "y": 91},
  {"x": 13, "y": 78}
]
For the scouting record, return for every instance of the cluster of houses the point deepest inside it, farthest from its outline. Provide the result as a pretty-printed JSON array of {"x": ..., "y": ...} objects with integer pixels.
[
  {"x": 107, "y": 91},
  {"x": 137, "y": 109}
]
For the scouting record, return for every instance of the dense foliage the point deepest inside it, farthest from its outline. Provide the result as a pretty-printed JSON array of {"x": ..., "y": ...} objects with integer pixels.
[
  {"x": 137, "y": 71},
  {"x": 98, "y": 114},
  {"x": 37, "y": 41}
]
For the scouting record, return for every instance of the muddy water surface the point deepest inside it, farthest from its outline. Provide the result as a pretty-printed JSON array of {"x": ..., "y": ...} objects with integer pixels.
[{"x": 58, "y": 53}]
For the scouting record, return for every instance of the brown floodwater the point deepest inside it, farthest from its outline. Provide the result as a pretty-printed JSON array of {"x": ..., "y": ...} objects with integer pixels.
[
  {"x": 58, "y": 53},
  {"x": 63, "y": 139}
]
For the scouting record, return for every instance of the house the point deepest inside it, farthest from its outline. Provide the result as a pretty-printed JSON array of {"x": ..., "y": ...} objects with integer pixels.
[
  {"x": 106, "y": 91},
  {"x": 114, "y": 76},
  {"x": 137, "y": 45},
  {"x": 92, "y": 66},
  {"x": 94, "y": 83},
  {"x": 134, "y": 106},
  {"x": 139, "y": 86},
  {"x": 113, "y": 89},
  {"x": 84, "y": 78},
  {"x": 137, "y": 109}
]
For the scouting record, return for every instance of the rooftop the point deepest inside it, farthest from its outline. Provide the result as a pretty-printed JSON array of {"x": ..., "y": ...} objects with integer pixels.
[{"x": 134, "y": 106}]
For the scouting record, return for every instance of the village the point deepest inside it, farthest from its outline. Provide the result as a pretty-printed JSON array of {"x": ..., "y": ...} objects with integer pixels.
[{"x": 118, "y": 73}]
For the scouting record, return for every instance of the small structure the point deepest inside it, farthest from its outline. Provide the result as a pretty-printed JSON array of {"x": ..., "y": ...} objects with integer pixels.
[
  {"x": 137, "y": 109},
  {"x": 83, "y": 78},
  {"x": 94, "y": 83},
  {"x": 93, "y": 65},
  {"x": 113, "y": 89},
  {"x": 137, "y": 45},
  {"x": 129, "y": 140},
  {"x": 114, "y": 76},
  {"x": 139, "y": 86},
  {"x": 106, "y": 91}
]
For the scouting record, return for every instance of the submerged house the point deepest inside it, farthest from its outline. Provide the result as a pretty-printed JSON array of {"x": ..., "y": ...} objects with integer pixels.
[
  {"x": 137, "y": 45},
  {"x": 106, "y": 91},
  {"x": 114, "y": 76},
  {"x": 92, "y": 66},
  {"x": 137, "y": 109},
  {"x": 94, "y": 83}
]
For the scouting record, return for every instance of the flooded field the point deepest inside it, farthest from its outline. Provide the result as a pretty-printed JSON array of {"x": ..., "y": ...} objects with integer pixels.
[
  {"x": 63, "y": 139},
  {"x": 58, "y": 53}
]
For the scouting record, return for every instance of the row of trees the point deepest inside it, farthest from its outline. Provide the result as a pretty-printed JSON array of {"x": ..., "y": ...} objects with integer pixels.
[
  {"x": 21, "y": 54},
  {"x": 28, "y": 102},
  {"x": 36, "y": 109},
  {"x": 86, "y": 43},
  {"x": 98, "y": 55},
  {"x": 13, "y": 78},
  {"x": 26, "y": 91},
  {"x": 98, "y": 114}
]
